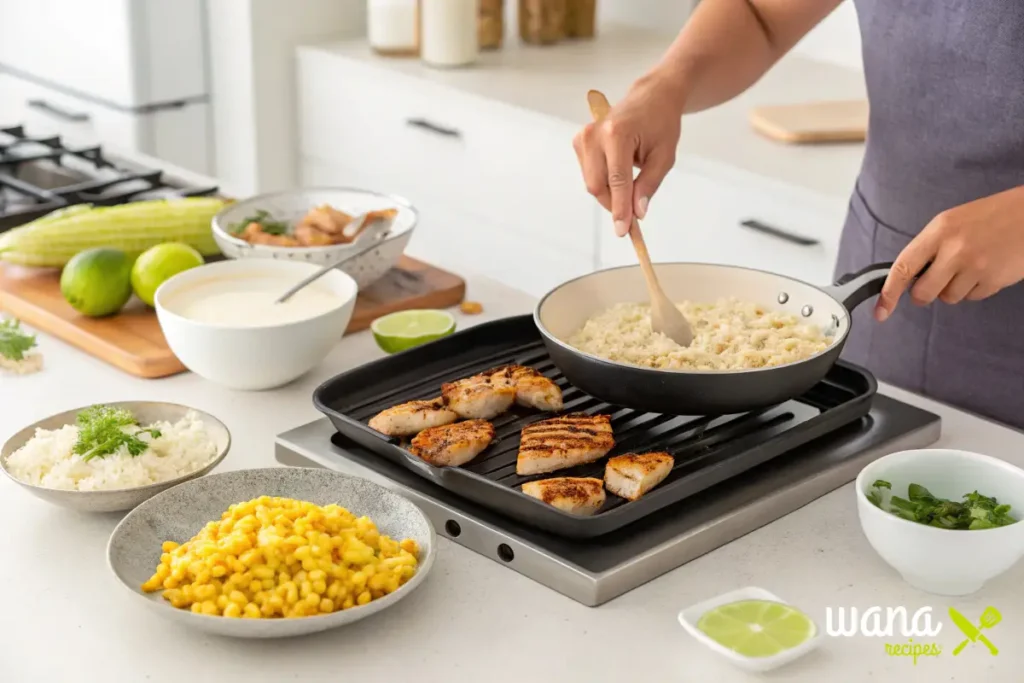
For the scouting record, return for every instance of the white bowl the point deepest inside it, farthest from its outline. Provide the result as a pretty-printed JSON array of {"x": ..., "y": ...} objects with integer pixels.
[
  {"x": 292, "y": 205},
  {"x": 943, "y": 561},
  {"x": 255, "y": 358},
  {"x": 117, "y": 500},
  {"x": 133, "y": 551}
]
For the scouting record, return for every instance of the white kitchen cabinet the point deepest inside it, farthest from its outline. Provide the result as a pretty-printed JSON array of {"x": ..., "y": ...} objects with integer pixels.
[
  {"x": 466, "y": 244},
  {"x": 697, "y": 217},
  {"x": 507, "y": 167},
  {"x": 167, "y": 134}
]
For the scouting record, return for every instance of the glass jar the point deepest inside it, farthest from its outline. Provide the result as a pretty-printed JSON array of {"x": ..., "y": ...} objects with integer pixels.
[
  {"x": 448, "y": 32},
  {"x": 491, "y": 24},
  {"x": 580, "y": 18},
  {"x": 542, "y": 22},
  {"x": 393, "y": 27}
]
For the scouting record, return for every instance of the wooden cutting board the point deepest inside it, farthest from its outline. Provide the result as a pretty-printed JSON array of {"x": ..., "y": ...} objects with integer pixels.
[
  {"x": 813, "y": 122},
  {"x": 133, "y": 342}
]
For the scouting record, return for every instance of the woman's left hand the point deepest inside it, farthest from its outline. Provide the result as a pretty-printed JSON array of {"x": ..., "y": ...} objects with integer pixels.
[{"x": 975, "y": 250}]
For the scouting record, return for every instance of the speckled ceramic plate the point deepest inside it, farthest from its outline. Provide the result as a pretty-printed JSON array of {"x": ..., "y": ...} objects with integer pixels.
[
  {"x": 117, "y": 500},
  {"x": 179, "y": 513}
]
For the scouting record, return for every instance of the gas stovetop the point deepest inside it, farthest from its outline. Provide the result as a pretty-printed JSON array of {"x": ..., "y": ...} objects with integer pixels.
[
  {"x": 41, "y": 174},
  {"x": 595, "y": 571}
]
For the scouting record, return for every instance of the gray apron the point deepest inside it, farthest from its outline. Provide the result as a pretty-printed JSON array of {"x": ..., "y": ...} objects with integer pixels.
[{"x": 945, "y": 80}]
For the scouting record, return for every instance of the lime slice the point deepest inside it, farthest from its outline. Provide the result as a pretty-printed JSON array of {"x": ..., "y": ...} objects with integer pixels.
[
  {"x": 405, "y": 329},
  {"x": 757, "y": 628}
]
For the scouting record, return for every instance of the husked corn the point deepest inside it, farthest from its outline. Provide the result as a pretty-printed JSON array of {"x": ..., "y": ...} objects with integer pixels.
[{"x": 281, "y": 558}]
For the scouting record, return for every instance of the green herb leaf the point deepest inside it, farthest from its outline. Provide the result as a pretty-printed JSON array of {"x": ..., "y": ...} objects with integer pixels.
[
  {"x": 922, "y": 506},
  {"x": 14, "y": 343},
  {"x": 102, "y": 430},
  {"x": 266, "y": 221}
]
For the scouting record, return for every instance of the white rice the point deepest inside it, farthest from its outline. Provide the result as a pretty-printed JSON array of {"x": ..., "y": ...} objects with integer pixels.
[
  {"x": 728, "y": 335},
  {"x": 47, "y": 459}
]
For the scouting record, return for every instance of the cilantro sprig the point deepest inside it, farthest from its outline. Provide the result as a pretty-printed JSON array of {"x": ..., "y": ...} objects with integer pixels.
[
  {"x": 268, "y": 223},
  {"x": 102, "y": 430},
  {"x": 15, "y": 342},
  {"x": 922, "y": 506}
]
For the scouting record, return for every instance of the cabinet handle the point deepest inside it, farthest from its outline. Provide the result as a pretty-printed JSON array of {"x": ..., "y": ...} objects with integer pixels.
[
  {"x": 58, "y": 112},
  {"x": 764, "y": 228},
  {"x": 434, "y": 128}
]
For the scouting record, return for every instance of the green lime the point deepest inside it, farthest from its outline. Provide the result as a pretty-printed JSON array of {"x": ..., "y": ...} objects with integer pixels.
[
  {"x": 757, "y": 628},
  {"x": 158, "y": 264},
  {"x": 405, "y": 329},
  {"x": 97, "y": 282}
]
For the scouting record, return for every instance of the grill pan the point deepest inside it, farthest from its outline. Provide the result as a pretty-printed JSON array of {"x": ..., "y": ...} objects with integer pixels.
[{"x": 707, "y": 450}]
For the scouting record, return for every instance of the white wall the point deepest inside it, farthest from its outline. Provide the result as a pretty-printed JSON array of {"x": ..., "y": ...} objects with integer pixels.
[
  {"x": 252, "y": 76},
  {"x": 835, "y": 40}
]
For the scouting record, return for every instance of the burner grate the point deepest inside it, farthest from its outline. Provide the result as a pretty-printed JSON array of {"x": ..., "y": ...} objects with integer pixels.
[
  {"x": 707, "y": 450},
  {"x": 41, "y": 174}
]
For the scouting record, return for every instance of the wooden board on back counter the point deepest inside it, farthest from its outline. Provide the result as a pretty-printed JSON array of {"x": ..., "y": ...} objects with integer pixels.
[{"x": 132, "y": 339}]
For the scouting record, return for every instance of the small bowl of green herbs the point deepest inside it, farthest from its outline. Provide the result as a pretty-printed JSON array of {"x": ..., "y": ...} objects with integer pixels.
[{"x": 946, "y": 520}]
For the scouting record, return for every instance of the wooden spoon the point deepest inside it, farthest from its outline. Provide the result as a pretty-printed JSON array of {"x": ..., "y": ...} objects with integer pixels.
[{"x": 665, "y": 316}]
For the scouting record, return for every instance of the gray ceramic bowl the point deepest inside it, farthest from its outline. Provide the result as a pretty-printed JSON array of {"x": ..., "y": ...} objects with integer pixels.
[
  {"x": 179, "y": 513},
  {"x": 117, "y": 500}
]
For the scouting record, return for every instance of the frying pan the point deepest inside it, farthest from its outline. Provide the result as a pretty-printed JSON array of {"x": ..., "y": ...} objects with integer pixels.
[{"x": 566, "y": 308}]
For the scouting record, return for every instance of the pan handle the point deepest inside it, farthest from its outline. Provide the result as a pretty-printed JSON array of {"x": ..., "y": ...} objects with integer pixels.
[{"x": 853, "y": 289}]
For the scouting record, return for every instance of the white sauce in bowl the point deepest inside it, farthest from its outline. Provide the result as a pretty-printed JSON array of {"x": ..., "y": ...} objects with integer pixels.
[{"x": 248, "y": 301}]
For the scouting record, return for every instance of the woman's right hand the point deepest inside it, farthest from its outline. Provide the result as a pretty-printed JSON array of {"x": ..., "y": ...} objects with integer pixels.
[{"x": 643, "y": 131}]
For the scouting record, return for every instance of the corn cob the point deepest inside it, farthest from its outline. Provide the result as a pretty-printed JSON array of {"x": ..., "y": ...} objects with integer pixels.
[{"x": 52, "y": 240}]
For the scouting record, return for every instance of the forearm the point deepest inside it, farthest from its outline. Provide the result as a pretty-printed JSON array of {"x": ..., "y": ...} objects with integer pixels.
[{"x": 727, "y": 45}]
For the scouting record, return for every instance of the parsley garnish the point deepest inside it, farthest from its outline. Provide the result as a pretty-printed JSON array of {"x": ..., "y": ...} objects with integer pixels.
[
  {"x": 14, "y": 343},
  {"x": 921, "y": 506},
  {"x": 102, "y": 430}
]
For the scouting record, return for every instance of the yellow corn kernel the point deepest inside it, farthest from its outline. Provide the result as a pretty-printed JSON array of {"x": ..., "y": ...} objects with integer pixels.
[
  {"x": 218, "y": 570},
  {"x": 268, "y": 584},
  {"x": 312, "y": 600},
  {"x": 276, "y": 602},
  {"x": 358, "y": 580},
  {"x": 410, "y": 546},
  {"x": 223, "y": 602},
  {"x": 210, "y": 607},
  {"x": 303, "y": 553},
  {"x": 197, "y": 607},
  {"x": 364, "y": 598},
  {"x": 291, "y": 595},
  {"x": 319, "y": 586},
  {"x": 233, "y": 610},
  {"x": 333, "y": 590},
  {"x": 300, "y": 576},
  {"x": 251, "y": 611},
  {"x": 171, "y": 582},
  {"x": 326, "y": 606},
  {"x": 168, "y": 546},
  {"x": 263, "y": 572},
  {"x": 305, "y": 588}
]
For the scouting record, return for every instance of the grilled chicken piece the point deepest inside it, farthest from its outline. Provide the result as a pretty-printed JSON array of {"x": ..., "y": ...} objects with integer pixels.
[
  {"x": 329, "y": 220},
  {"x": 311, "y": 237},
  {"x": 576, "y": 495},
  {"x": 630, "y": 476},
  {"x": 533, "y": 390},
  {"x": 410, "y": 418},
  {"x": 453, "y": 444},
  {"x": 562, "y": 442},
  {"x": 480, "y": 397}
]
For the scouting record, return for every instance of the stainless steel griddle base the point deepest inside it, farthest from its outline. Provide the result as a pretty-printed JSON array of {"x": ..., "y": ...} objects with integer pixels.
[{"x": 594, "y": 572}]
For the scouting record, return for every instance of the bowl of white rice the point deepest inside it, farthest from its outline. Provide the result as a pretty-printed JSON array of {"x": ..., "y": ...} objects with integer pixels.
[{"x": 110, "y": 458}]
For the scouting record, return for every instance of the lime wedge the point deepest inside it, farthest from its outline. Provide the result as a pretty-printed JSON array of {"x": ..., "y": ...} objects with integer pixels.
[
  {"x": 757, "y": 628},
  {"x": 405, "y": 329}
]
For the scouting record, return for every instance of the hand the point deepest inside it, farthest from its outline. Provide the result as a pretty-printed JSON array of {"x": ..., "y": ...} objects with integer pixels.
[
  {"x": 975, "y": 250},
  {"x": 641, "y": 130}
]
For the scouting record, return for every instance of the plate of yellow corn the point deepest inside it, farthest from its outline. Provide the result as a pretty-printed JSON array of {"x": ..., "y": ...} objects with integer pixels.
[{"x": 272, "y": 553}]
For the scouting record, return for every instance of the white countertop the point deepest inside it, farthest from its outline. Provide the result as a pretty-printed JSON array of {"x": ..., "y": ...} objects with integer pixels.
[
  {"x": 547, "y": 80},
  {"x": 64, "y": 618}
]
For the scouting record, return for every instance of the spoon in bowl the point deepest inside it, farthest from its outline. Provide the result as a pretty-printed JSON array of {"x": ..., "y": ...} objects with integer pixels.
[
  {"x": 665, "y": 315},
  {"x": 367, "y": 240}
]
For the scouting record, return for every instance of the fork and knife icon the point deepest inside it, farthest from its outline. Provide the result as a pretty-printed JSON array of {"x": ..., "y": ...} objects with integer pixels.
[{"x": 989, "y": 618}]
